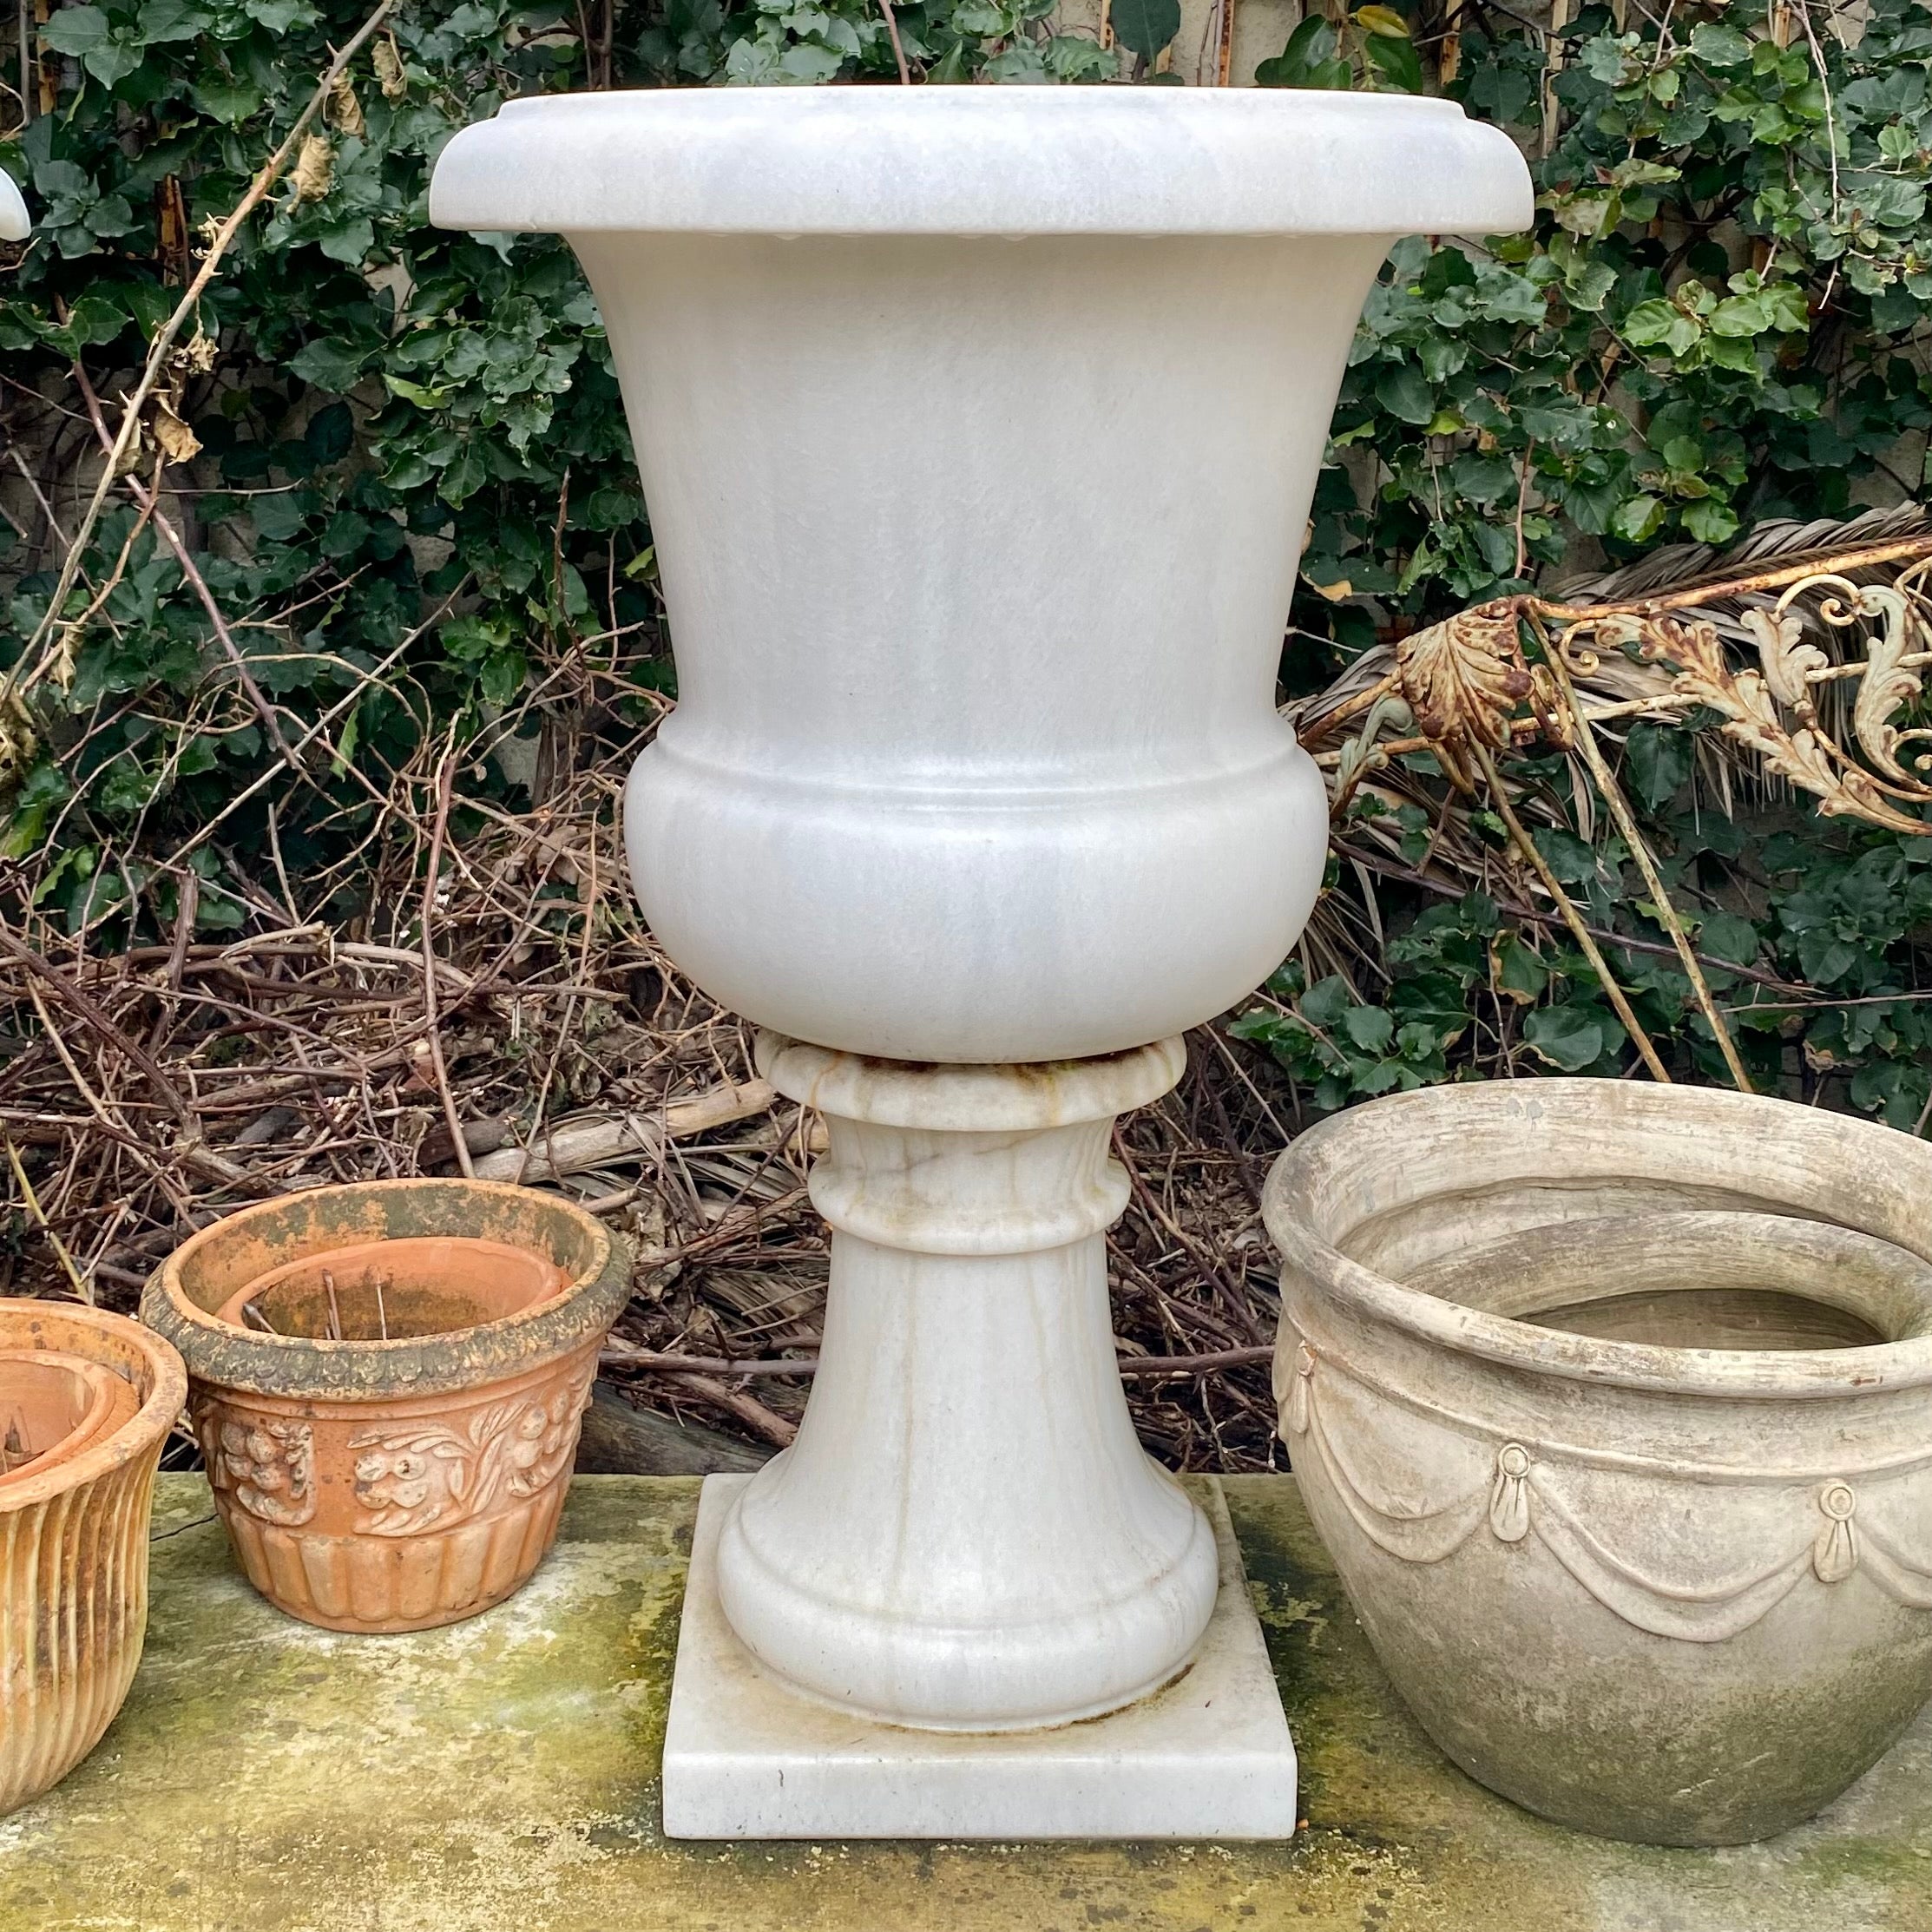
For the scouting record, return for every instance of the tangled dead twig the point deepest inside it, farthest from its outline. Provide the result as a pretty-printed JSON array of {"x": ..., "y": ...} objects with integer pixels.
[{"x": 159, "y": 1086}]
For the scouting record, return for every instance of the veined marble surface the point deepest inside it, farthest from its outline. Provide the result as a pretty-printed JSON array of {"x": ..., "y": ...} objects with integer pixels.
[
  {"x": 1208, "y": 1754},
  {"x": 978, "y": 429}
]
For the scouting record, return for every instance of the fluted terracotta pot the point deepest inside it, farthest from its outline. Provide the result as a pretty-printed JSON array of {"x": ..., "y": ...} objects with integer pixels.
[
  {"x": 385, "y": 1485},
  {"x": 88, "y": 1398}
]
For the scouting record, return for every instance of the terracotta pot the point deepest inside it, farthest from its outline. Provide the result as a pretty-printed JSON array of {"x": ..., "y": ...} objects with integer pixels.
[
  {"x": 392, "y": 1291},
  {"x": 1638, "y": 1550},
  {"x": 373, "y": 1485},
  {"x": 91, "y": 1397},
  {"x": 53, "y": 1405}
]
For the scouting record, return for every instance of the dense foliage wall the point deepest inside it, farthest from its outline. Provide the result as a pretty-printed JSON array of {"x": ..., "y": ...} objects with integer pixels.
[{"x": 397, "y": 464}]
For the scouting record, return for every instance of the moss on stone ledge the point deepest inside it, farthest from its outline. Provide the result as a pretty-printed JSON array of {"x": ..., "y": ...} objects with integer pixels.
[{"x": 501, "y": 1776}]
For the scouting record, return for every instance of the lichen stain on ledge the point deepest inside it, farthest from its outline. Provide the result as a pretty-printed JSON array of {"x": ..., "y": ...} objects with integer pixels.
[{"x": 500, "y": 1776}]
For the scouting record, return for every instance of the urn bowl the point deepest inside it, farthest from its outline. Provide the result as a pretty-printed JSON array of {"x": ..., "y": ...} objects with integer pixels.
[{"x": 978, "y": 429}]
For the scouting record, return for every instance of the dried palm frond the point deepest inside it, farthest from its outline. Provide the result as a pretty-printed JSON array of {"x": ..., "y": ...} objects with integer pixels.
[
  {"x": 1718, "y": 577},
  {"x": 1809, "y": 641}
]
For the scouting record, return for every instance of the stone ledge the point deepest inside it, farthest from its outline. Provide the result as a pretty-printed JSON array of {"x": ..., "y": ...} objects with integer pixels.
[{"x": 502, "y": 1777}]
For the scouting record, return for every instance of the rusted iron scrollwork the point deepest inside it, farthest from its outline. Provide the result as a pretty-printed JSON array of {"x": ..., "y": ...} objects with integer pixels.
[{"x": 1471, "y": 685}]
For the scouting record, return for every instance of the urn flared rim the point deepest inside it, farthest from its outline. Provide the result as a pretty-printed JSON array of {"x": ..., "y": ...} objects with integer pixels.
[
  {"x": 1793, "y": 1159},
  {"x": 966, "y": 160}
]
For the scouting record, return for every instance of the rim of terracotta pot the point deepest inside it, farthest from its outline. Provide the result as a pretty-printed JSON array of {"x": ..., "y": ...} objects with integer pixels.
[
  {"x": 118, "y": 1343},
  {"x": 1792, "y": 1158},
  {"x": 99, "y": 1390},
  {"x": 181, "y": 1294}
]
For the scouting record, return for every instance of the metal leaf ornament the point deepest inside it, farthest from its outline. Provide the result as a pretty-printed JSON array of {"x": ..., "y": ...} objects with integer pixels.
[
  {"x": 1758, "y": 636},
  {"x": 1464, "y": 681}
]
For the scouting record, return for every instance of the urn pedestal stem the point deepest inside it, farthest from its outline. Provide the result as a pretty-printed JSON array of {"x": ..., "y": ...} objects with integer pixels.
[
  {"x": 967, "y": 1534},
  {"x": 965, "y": 1603}
]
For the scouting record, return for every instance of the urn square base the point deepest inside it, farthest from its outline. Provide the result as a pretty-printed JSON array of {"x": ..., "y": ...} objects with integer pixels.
[{"x": 1208, "y": 1758}]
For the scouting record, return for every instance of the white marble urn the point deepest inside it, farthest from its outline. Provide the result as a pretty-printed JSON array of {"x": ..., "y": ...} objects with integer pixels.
[{"x": 978, "y": 428}]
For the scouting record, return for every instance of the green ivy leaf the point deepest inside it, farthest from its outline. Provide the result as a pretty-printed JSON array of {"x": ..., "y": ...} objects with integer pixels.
[
  {"x": 335, "y": 366},
  {"x": 1718, "y": 45},
  {"x": 1143, "y": 26},
  {"x": 1661, "y": 324},
  {"x": 1569, "y": 1038},
  {"x": 283, "y": 17},
  {"x": 1573, "y": 859},
  {"x": 1725, "y": 936},
  {"x": 76, "y": 30},
  {"x": 1307, "y": 61},
  {"x": 1518, "y": 970},
  {"x": 1637, "y": 519},
  {"x": 228, "y": 101},
  {"x": 1325, "y": 1001},
  {"x": 1372, "y": 1027},
  {"x": 163, "y": 21},
  {"x": 1710, "y": 522},
  {"x": 1824, "y": 957},
  {"x": 1658, "y": 761},
  {"x": 1398, "y": 60},
  {"x": 1405, "y": 392},
  {"x": 1741, "y": 315},
  {"x": 93, "y": 319}
]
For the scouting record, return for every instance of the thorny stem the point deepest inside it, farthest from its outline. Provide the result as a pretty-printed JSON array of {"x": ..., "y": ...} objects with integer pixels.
[
  {"x": 446, "y": 779},
  {"x": 269, "y": 173},
  {"x": 1613, "y": 797},
  {"x": 1527, "y": 849}
]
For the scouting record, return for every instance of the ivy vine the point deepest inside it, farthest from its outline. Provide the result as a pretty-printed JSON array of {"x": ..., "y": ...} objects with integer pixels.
[{"x": 396, "y": 447}]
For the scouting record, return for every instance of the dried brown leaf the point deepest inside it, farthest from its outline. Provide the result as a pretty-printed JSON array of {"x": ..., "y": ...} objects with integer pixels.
[
  {"x": 178, "y": 442},
  {"x": 314, "y": 168},
  {"x": 196, "y": 355},
  {"x": 388, "y": 61},
  {"x": 344, "y": 109}
]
